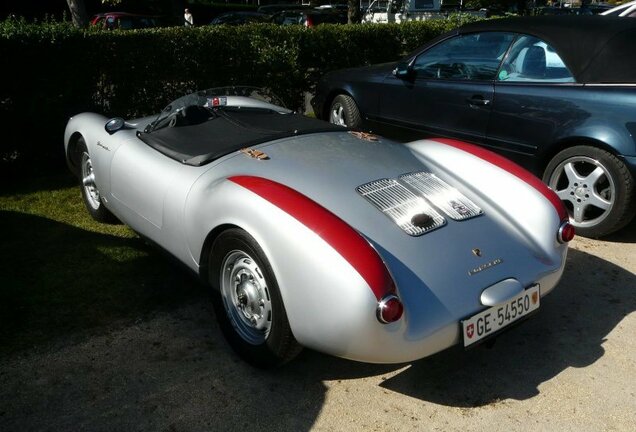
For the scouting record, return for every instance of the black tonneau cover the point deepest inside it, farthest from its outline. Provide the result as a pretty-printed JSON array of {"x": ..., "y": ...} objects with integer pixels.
[{"x": 230, "y": 130}]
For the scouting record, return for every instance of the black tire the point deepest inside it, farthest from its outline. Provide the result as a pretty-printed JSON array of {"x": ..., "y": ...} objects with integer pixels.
[
  {"x": 90, "y": 193},
  {"x": 599, "y": 191},
  {"x": 344, "y": 112},
  {"x": 247, "y": 301}
]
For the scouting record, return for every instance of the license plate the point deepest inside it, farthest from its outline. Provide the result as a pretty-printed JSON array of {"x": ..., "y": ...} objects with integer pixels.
[{"x": 493, "y": 319}]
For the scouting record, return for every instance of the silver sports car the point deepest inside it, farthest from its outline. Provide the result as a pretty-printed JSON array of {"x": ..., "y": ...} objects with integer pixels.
[{"x": 313, "y": 235}]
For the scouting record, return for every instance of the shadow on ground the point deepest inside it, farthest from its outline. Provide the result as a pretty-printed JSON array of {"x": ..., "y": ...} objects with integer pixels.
[
  {"x": 99, "y": 332},
  {"x": 26, "y": 184},
  {"x": 56, "y": 279}
]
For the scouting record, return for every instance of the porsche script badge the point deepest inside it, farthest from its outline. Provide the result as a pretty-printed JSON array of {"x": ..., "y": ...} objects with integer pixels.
[{"x": 485, "y": 266}]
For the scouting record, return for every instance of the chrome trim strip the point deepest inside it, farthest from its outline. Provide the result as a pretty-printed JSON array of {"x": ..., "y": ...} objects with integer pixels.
[{"x": 609, "y": 84}]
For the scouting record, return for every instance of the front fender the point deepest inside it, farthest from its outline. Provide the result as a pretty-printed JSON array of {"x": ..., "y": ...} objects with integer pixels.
[
  {"x": 101, "y": 145},
  {"x": 91, "y": 127}
]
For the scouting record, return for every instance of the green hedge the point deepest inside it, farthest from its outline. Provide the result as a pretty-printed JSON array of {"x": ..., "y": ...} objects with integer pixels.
[{"x": 52, "y": 71}]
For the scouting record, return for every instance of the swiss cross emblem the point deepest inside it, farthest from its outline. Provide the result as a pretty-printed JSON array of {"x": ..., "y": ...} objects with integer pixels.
[{"x": 470, "y": 330}]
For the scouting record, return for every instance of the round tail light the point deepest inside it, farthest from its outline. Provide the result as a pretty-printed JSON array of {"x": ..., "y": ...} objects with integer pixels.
[
  {"x": 390, "y": 309},
  {"x": 566, "y": 232}
]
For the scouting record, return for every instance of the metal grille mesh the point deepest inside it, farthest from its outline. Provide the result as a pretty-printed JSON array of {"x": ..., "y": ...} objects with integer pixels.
[
  {"x": 444, "y": 196},
  {"x": 400, "y": 204}
]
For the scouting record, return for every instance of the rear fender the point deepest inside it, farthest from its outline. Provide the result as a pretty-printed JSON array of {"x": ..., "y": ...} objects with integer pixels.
[
  {"x": 518, "y": 199},
  {"x": 607, "y": 139},
  {"x": 327, "y": 300}
]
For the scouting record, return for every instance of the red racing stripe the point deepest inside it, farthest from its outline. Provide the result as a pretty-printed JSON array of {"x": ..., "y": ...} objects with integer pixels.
[
  {"x": 350, "y": 244},
  {"x": 512, "y": 168}
]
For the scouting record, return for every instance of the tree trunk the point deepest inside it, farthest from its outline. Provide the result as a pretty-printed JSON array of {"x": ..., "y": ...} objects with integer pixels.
[
  {"x": 354, "y": 13},
  {"x": 78, "y": 13}
]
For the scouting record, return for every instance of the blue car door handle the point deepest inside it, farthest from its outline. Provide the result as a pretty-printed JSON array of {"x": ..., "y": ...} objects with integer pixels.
[{"x": 478, "y": 100}]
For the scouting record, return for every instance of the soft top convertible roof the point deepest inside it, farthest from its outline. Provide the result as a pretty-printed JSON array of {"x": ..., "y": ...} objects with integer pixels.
[
  {"x": 596, "y": 49},
  {"x": 230, "y": 130}
]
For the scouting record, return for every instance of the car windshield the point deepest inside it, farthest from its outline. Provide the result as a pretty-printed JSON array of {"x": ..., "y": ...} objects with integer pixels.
[{"x": 217, "y": 98}]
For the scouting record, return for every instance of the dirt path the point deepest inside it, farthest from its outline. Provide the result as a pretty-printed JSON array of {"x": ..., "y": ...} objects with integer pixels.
[{"x": 572, "y": 367}]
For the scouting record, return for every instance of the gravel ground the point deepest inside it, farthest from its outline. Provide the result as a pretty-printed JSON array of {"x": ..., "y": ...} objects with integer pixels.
[{"x": 571, "y": 367}]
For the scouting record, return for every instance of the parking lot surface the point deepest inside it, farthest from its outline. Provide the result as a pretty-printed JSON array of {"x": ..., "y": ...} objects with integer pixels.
[{"x": 572, "y": 367}]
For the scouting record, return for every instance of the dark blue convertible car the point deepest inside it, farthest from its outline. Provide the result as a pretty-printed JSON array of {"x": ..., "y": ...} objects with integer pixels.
[{"x": 555, "y": 94}]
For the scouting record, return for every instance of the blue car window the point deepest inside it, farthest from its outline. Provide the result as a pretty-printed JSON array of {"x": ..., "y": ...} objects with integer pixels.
[
  {"x": 474, "y": 56},
  {"x": 531, "y": 59}
]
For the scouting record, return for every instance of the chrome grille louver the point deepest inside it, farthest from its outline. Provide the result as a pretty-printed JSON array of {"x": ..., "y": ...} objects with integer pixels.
[
  {"x": 401, "y": 205},
  {"x": 442, "y": 195}
]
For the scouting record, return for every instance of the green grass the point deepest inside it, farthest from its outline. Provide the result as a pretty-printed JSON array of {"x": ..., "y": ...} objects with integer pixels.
[{"x": 61, "y": 273}]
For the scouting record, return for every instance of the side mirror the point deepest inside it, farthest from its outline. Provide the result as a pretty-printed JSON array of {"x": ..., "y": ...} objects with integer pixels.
[
  {"x": 114, "y": 124},
  {"x": 403, "y": 71}
]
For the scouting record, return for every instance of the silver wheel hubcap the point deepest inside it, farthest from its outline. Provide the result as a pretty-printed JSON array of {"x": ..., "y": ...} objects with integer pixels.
[
  {"x": 246, "y": 297},
  {"x": 88, "y": 182},
  {"x": 337, "y": 116},
  {"x": 586, "y": 188}
]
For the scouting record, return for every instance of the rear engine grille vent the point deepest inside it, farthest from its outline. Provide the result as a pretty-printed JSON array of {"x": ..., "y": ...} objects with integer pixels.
[
  {"x": 444, "y": 196},
  {"x": 405, "y": 208}
]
